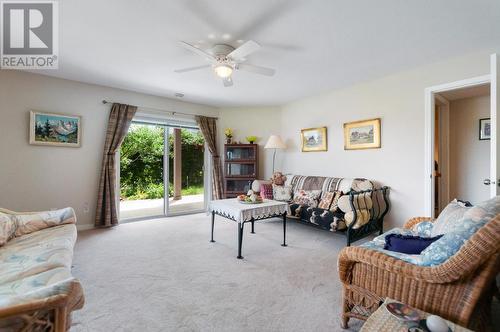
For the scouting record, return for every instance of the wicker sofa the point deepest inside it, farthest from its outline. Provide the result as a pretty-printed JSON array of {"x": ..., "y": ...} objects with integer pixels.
[
  {"x": 460, "y": 289},
  {"x": 359, "y": 191},
  {"x": 37, "y": 290}
]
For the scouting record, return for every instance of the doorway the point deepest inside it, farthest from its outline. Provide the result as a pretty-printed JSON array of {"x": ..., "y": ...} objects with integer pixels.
[
  {"x": 162, "y": 167},
  {"x": 432, "y": 94},
  {"x": 461, "y": 152}
]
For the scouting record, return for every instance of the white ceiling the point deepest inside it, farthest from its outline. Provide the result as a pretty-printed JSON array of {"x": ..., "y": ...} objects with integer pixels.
[
  {"x": 314, "y": 45},
  {"x": 475, "y": 91}
]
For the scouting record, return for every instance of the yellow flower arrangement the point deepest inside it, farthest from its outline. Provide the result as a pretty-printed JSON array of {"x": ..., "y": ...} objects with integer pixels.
[{"x": 228, "y": 132}]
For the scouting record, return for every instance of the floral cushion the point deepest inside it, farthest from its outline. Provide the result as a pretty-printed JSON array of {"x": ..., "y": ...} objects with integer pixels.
[
  {"x": 449, "y": 217},
  {"x": 266, "y": 191},
  {"x": 282, "y": 193},
  {"x": 423, "y": 228},
  {"x": 307, "y": 197},
  {"x": 7, "y": 228},
  {"x": 378, "y": 244},
  {"x": 36, "y": 265},
  {"x": 326, "y": 201},
  {"x": 335, "y": 201},
  {"x": 32, "y": 222},
  {"x": 450, "y": 243},
  {"x": 37, "y": 252},
  {"x": 32, "y": 283}
]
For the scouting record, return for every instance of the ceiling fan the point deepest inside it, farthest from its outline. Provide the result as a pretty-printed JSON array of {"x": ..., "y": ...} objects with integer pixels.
[{"x": 225, "y": 59}]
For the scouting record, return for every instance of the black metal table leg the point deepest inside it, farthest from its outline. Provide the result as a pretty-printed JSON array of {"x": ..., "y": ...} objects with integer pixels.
[
  {"x": 284, "y": 230},
  {"x": 253, "y": 225},
  {"x": 240, "y": 239},
  {"x": 213, "y": 219}
]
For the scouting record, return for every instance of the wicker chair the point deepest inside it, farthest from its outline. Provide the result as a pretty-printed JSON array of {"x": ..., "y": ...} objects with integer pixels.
[{"x": 459, "y": 290}]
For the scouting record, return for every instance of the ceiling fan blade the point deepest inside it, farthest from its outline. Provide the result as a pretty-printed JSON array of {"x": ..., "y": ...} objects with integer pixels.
[
  {"x": 244, "y": 50},
  {"x": 198, "y": 51},
  {"x": 183, "y": 70},
  {"x": 256, "y": 69},
  {"x": 228, "y": 81}
]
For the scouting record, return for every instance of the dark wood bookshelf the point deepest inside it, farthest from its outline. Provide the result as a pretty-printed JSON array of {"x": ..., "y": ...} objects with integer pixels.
[{"x": 241, "y": 168}]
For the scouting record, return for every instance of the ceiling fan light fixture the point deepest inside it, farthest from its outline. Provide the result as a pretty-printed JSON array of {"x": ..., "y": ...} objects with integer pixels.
[{"x": 223, "y": 70}]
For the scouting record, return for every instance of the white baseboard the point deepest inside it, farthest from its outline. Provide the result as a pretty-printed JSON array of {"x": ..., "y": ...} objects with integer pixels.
[{"x": 84, "y": 227}]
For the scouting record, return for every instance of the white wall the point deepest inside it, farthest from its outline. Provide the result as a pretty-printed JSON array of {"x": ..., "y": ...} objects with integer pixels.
[
  {"x": 399, "y": 101},
  {"x": 469, "y": 157},
  {"x": 43, "y": 177},
  {"x": 35, "y": 177},
  {"x": 257, "y": 121}
]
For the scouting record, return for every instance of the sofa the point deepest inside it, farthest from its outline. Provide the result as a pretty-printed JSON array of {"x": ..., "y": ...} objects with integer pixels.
[
  {"x": 37, "y": 289},
  {"x": 356, "y": 209},
  {"x": 454, "y": 277}
]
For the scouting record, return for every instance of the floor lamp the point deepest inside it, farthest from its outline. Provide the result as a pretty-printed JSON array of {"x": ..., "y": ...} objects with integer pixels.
[{"x": 275, "y": 142}]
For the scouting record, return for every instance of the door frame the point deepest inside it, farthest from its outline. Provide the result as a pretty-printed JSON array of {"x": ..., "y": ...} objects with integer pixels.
[
  {"x": 444, "y": 150},
  {"x": 430, "y": 93}
]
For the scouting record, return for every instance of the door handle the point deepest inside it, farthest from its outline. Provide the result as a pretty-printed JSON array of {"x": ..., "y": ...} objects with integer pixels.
[{"x": 487, "y": 182}]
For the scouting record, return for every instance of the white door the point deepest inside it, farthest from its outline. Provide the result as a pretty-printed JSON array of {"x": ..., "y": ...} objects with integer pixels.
[{"x": 495, "y": 126}]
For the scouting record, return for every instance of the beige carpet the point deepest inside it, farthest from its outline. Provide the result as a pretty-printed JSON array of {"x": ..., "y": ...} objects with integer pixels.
[{"x": 165, "y": 275}]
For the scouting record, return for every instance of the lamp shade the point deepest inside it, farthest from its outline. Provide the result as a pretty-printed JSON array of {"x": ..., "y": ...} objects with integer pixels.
[{"x": 275, "y": 142}]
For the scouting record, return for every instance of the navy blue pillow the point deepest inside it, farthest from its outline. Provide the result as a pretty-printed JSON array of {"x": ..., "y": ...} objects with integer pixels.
[{"x": 408, "y": 244}]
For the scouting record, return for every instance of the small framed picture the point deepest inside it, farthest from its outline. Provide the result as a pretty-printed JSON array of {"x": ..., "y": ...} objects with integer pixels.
[
  {"x": 484, "y": 129},
  {"x": 55, "y": 129},
  {"x": 314, "y": 139},
  {"x": 362, "y": 135}
]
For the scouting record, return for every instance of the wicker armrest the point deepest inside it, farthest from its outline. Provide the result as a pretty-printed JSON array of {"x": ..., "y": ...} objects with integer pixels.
[
  {"x": 38, "y": 312},
  {"x": 417, "y": 220},
  {"x": 353, "y": 255}
]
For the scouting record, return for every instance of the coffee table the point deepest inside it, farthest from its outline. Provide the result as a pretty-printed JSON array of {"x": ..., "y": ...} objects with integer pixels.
[{"x": 247, "y": 213}]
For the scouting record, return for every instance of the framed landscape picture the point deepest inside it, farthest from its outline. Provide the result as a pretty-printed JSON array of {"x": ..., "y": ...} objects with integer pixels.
[
  {"x": 484, "y": 129},
  {"x": 362, "y": 134},
  {"x": 55, "y": 129},
  {"x": 313, "y": 139}
]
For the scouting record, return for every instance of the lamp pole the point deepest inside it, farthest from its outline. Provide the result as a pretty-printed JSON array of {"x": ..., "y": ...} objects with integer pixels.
[{"x": 274, "y": 157}]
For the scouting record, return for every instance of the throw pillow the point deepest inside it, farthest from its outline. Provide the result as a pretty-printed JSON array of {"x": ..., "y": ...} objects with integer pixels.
[
  {"x": 326, "y": 201},
  {"x": 266, "y": 191},
  {"x": 282, "y": 193},
  {"x": 408, "y": 244},
  {"x": 307, "y": 197},
  {"x": 29, "y": 223},
  {"x": 449, "y": 217},
  {"x": 7, "y": 228},
  {"x": 360, "y": 201},
  {"x": 423, "y": 228},
  {"x": 362, "y": 218},
  {"x": 451, "y": 242},
  {"x": 335, "y": 201}
]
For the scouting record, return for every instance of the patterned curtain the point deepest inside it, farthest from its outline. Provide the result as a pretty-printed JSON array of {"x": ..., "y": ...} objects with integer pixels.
[
  {"x": 120, "y": 118},
  {"x": 208, "y": 127}
]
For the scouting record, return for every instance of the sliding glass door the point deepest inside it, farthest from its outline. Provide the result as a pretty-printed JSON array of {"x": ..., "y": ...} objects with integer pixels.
[{"x": 162, "y": 170}]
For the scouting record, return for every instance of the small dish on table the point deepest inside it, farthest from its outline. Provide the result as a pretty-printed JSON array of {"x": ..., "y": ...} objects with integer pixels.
[{"x": 250, "y": 198}]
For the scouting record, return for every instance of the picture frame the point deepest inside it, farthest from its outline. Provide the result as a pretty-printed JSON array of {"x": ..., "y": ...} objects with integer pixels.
[
  {"x": 365, "y": 134},
  {"x": 55, "y": 129},
  {"x": 314, "y": 139},
  {"x": 484, "y": 129}
]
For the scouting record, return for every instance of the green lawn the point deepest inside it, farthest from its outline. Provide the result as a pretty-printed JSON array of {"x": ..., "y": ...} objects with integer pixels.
[{"x": 192, "y": 190}]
